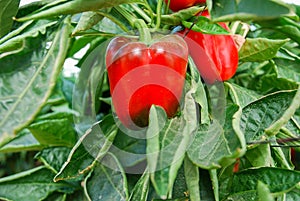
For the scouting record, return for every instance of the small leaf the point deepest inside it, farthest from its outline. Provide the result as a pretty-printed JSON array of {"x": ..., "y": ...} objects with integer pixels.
[
  {"x": 107, "y": 183},
  {"x": 9, "y": 9},
  {"x": 204, "y": 25},
  {"x": 34, "y": 184},
  {"x": 260, "y": 49}
]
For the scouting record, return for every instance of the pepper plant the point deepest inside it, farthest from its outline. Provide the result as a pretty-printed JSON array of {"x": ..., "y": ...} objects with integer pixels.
[{"x": 144, "y": 118}]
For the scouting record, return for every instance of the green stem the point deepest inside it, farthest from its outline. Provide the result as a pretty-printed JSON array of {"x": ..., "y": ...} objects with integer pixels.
[
  {"x": 158, "y": 13},
  {"x": 141, "y": 13},
  {"x": 140, "y": 24},
  {"x": 145, "y": 35}
]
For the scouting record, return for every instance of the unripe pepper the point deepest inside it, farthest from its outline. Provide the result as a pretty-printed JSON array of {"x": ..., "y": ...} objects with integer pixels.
[
  {"x": 216, "y": 56},
  {"x": 141, "y": 75}
]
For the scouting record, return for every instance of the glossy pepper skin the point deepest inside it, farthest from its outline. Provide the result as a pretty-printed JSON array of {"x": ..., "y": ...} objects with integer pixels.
[
  {"x": 216, "y": 56},
  {"x": 141, "y": 75}
]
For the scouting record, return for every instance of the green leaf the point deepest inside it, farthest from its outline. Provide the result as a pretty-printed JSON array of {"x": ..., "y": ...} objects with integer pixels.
[
  {"x": 24, "y": 141},
  {"x": 283, "y": 25},
  {"x": 9, "y": 9},
  {"x": 278, "y": 180},
  {"x": 199, "y": 94},
  {"x": 205, "y": 26},
  {"x": 260, "y": 156},
  {"x": 56, "y": 197},
  {"x": 34, "y": 184},
  {"x": 107, "y": 183},
  {"x": 141, "y": 189},
  {"x": 191, "y": 173},
  {"x": 129, "y": 150},
  {"x": 26, "y": 38},
  {"x": 167, "y": 141},
  {"x": 293, "y": 195},
  {"x": 259, "y": 115},
  {"x": 240, "y": 95},
  {"x": 260, "y": 49},
  {"x": 215, "y": 145},
  {"x": 55, "y": 132},
  {"x": 72, "y": 7},
  {"x": 176, "y": 18},
  {"x": 30, "y": 77},
  {"x": 288, "y": 70},
  {"x": 53, "y": 158},
  {"x": 93, "y": 145},
  {"x": 263, "y": 192},
  {"x": 87, "y": 21},
  {"x": 232, "y": 10},
  {"x": 243, "y": 196}
]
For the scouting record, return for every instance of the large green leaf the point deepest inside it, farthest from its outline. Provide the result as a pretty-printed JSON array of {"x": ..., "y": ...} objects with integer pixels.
[
  {"x": 214, "y": 144},
  {"x": 9, "y": 9},
  {"x": 259, "y": 115},
  {"x": 167, "y": 141},
  {"x": 231, "y": 10},
  {"x": 278, "y": 180},
  {"x": 259, "y": 49},
  {"x": 34, "y": 184},
  {"x": 107, "y": 183},
  {"x": 29, "y": 77},
  {"x": 72, "y": 7},
  {"x": 93, "y": 145}
]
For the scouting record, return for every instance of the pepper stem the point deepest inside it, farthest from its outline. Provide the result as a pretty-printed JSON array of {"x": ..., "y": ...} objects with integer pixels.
[{"x": 145, "y": 35}]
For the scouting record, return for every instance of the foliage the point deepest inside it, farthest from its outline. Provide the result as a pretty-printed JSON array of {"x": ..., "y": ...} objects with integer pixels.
[{"x": 230, "y": 141}]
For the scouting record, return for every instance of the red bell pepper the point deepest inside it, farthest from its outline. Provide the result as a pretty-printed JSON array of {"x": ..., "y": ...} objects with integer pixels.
[
  {"x": 141, "y": 75},
  {"x": 216, "y": 56}
]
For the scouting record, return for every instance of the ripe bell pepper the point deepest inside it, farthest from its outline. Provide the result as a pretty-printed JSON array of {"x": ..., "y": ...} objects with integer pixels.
[
  {"x": 141, "y": 75},
  {"x": 216, "y": 56}
]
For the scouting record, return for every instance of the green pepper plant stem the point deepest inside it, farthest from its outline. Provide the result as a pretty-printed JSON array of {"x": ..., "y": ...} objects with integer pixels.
[
  {"x": 158, "y": 12},
  {"x": 140, "y": 24}
]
